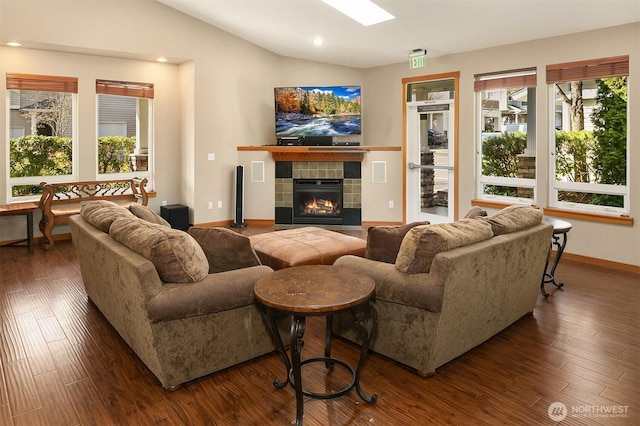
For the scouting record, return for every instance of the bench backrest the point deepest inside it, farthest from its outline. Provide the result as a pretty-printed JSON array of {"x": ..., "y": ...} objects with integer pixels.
[{"x": 78, "y": 192}]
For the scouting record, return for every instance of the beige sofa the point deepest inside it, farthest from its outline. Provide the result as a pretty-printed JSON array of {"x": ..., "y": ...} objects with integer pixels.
[
  {"x": 452, "y": 286},
  {"x": 183, "y": 316}
]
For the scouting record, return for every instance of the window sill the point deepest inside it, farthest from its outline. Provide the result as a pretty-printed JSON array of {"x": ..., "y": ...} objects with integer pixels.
[
  {"x": 490, "y": 204},
  {"x": 589, "y": 217},
  {"x": 569, "y": 214}
]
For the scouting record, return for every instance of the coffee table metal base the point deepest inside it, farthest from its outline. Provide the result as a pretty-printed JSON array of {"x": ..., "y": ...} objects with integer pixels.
[{"x": 294, "y": 366}]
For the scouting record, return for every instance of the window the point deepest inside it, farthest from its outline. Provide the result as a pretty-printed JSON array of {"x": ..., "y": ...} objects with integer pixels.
[
  {"x": 41, "y": 131},
  {"x": 124, "y": 127},
  {"x": 506, "y": 108},
  {"x": 588, "y": 165}
]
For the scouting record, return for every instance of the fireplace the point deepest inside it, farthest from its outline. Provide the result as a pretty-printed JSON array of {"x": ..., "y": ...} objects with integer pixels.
[
  {"x": 317, "y": 201},
  {"x": 344, "y": 174}
]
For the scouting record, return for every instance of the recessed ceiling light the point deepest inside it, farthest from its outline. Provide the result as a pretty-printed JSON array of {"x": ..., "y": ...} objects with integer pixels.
[
  {"x": 363, "y": 11},
  {"x": 318, "y": 41},
  {"x": 14, "y": 44},
  {"x": 162, "y": 59}
]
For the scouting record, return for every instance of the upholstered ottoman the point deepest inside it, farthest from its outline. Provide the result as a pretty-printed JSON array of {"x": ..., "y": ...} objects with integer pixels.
[{"x": 304, "y": 246}]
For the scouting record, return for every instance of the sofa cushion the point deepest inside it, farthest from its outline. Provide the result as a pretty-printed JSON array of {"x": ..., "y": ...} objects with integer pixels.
[
  {"x": 423, "y": 243},
  {"x": 144, "y": 212},
  {"x": 225, "y": 250},
  {"x": 102, "y": 213},
  {"x": 475, "y": 212},
  {"x": 383, "y": 242},
  {"x": 176, "y": 255},
  {"x": 514, "y": 218}
]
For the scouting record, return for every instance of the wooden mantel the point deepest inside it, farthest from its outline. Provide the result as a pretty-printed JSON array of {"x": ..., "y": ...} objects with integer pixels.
[{"x": 313, "y": 153}]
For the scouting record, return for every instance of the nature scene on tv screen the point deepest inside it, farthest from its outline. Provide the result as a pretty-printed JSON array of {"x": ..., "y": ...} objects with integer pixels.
[{"x": 317, "y": 111}]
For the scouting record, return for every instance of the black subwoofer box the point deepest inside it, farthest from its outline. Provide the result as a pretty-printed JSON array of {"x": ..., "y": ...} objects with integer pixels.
[{"x": 177, "y": 215}]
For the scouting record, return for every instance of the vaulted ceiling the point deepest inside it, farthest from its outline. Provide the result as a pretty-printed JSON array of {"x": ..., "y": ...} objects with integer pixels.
[{"x": 443, "y": 27}]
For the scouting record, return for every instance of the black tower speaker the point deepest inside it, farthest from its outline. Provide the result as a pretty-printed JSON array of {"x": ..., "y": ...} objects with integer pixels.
[{"x": 238, "y": 218}]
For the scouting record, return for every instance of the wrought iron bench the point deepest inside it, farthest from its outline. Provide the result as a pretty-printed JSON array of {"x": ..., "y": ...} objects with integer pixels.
[{"x": 59, "y": 201}]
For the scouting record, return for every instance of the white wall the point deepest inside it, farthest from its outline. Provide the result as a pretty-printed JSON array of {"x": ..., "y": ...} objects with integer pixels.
[
  {"x": 259, "y": 196},
  {"x": 376, "y": 196},
  {"x": 224, "y": 86},
  {"x": 383, "y": 122},
  {"x": 87, "y": 69},
  {"x": 186, "y": 143},
  {"x": 215, "y": 100}
]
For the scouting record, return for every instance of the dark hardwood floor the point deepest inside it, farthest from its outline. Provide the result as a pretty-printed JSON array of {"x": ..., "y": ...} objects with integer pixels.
[{"x": 62, "y": 364}]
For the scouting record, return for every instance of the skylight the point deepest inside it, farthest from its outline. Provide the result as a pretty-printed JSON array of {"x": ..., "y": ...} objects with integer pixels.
[{"x": 363, "y": 11}]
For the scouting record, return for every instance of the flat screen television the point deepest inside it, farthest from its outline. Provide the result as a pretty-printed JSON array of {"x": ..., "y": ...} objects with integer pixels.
[{"x": 317, "y": 111}]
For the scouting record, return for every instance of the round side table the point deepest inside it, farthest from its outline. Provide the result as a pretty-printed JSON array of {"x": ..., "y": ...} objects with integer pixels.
[
  {"x": 559, "y": 239},
  {"x": 316, "y": 290}
]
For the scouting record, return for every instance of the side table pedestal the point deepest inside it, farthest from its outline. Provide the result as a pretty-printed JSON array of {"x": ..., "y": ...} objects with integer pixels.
[{"x": 559, "y": 239}]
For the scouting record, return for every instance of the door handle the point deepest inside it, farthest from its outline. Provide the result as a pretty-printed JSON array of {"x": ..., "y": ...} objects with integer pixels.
[{"x": 429, "y": 167}]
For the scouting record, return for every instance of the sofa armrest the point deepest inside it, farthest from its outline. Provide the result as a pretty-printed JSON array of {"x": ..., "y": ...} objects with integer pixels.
[
  {"x": 419, "y": 290},
  {"x": 217, "y": 292}
]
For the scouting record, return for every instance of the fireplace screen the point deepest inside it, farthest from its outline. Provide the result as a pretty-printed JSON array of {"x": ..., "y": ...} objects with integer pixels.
[{"x": 317, "y": 201}]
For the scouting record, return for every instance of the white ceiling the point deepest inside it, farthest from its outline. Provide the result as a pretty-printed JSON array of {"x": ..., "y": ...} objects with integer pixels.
[{"x": 443, "y": 27}]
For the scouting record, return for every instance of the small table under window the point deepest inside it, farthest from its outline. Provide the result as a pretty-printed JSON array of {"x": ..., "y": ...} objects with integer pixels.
[
  {"x": 559, "y": 239},
  {"x": 17, "y": 209}
]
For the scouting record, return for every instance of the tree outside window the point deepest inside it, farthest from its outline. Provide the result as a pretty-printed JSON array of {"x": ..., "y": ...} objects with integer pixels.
[
  {"x": 590, "y": 144},
  {"x": 41, "y": 130}
]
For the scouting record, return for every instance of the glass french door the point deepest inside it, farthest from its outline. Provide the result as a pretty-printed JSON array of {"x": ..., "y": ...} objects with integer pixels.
[{"x": 430, "y": 153}]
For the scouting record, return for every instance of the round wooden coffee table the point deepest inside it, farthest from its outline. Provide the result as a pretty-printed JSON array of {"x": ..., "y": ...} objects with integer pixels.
[{"x": 316, "y": 290}]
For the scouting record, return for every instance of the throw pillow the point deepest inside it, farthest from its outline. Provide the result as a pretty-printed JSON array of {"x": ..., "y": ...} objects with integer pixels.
[
  {"x": 144, "y": 212},
  {"x": 102, "y": 213},
  {"x": 514, "y": 218},
  {"x": 225, "y": 249},
  {"x": 176, "y": 255},
  {"x": 383, "y": 242},
  {"x": 423, "y": 243},
  {"x": 475, "y": 212}
]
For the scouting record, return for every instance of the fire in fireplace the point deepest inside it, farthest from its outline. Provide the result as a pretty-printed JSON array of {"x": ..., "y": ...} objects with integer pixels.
[
  {"x": 321, "y": 207},
  {"x": 317, "y": 201}
]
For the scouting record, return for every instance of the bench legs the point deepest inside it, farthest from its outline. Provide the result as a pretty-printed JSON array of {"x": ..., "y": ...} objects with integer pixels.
[{"x": 46, "y": 226}]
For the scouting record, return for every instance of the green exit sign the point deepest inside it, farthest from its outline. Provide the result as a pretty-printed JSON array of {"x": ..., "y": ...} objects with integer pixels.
[{"x": 417, "y": 61}]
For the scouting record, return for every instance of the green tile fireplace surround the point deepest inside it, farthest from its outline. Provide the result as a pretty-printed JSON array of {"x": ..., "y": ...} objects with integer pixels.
[{"x": 349, "y": 172}]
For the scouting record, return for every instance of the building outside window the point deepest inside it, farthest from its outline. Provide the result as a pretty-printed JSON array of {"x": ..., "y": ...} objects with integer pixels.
[
  {"x": 124, "y": 126},
  {"x": 41, "y": 132},
  {"x": 589, "y": 143},
  {"x": 506, "y": 108}
]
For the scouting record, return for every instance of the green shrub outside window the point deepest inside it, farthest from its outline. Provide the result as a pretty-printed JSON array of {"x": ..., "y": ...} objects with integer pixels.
[{"x": 52, "y": 156}]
